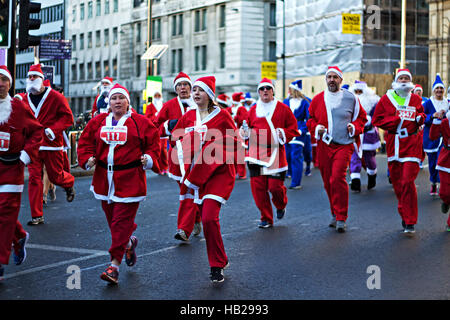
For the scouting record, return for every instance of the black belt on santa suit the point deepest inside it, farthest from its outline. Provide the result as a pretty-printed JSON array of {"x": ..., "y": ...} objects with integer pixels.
[
  {"x": 119, "y": 167},
  {"x": 10, "y": 158},
  {"x": 404, "y": 133}
]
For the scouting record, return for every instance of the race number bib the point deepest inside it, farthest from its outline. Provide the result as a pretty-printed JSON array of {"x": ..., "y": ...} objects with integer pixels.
[
  {"x": 4, "y": 141},
  {"x": 114, "y": 135},
  {"x": 406, "y": 113}
]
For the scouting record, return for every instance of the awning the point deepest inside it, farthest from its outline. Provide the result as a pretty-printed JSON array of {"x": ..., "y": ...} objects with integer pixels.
[{"x": 155, "y": 52}]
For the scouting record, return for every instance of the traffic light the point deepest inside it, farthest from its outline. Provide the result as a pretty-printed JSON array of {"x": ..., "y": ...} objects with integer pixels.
[
  {"x": 5, "y": 23},
  {"x": 26, "y": 24}
]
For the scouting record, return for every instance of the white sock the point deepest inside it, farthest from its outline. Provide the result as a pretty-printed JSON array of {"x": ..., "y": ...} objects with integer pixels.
[{"x": 114, "y": 265}]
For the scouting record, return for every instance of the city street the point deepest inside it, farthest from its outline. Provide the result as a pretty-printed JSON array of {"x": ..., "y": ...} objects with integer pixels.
[{"x": 299, "y": 258}]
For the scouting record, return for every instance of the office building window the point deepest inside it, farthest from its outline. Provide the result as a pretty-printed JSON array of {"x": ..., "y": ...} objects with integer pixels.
[
  {"x": 90, "y": 9},
  {"x": 204, "y": 19},
  {"x": 138, "y": 32},
  {"x": 89, "y": 40},
  {"x": 197, "y": 58},
  {"x": 98, "y": 10},
  {"x": 114, "y": 70},
  {"x": 138, "y": 65},
  {"x": 90, "y": 71},
  {"x": 174, "y": 61},
  {"x": 273, "y": 15},
  {"x": 200, "y": 58},
  {"x": 98, "y": 70},
  {"x": 222, "y": 16},
  {"x": 116, "y": 6},
  {"x": 81, "y": 41},
  {"x": 82, "y": 11},
  {"x": 74, "y": 43},
  {"x": 204, "y": 58},
  {"x": 74, "y": 72},
  {"x": 115, "y": 35},
  {"x": 180, "y": 59},
  {"x": 272, "y": 51},
  {"x": 222, "y": 55},
  {"x": 106, "y": 68},
  {"x": 106, "y": 6},
  {"x": 180, "y": 24},
  {"x": 82, "y": 72},
  {"x": 156, "y": 29},
  {"x": 197, "y": 21},
  {"x": 106, "y": 37},
  {"x": 98, "y": 39},
  {"x": 74, "y": 13}
]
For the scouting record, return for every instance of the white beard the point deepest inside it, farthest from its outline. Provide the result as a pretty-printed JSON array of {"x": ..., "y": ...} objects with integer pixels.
[
  {"x": 104, "y": 90},
  {"x": 368, "y": 101},
  {"x": 158, "y": 104},
  {"x": 190, "y": 102},
  {"x": 5, "y": 109},
  {"x": 264, "y": 109},
  {"x": 402, "y": 89},
  {"x": 34, "y": 86}
]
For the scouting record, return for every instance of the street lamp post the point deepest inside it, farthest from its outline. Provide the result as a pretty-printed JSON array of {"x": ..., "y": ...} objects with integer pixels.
[
  {"x": 403, "y": 37},
  {"x": 149, "y": 35},
  {"x": 284, "y": 49}
]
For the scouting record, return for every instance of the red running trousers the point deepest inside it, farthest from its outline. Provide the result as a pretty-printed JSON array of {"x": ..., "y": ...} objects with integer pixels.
[
  {"x": 261, "y": 186},
  {"x": 444, "y": 190},
  {"x": 403, "y": 175},
  {"x": 120, "y": 217},
  {"x": 333, "y": 162},
  {"x": 211, "y": 229},
  {"x": 188, "y": 213},
  {"x": 9, "y": 212},
  {"x": 54, "y": 163}
]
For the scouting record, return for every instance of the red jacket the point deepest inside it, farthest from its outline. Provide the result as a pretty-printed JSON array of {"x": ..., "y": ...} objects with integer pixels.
[
  {"x": 442, "y": 129},
  {"x": 207, "y": 167},
  {"x": 318, "y": 113},
  {"x": 53, "y": 112},
  {"x": 265, "y": 146},
  {"x": 129, "y": 185},
  {"x": 21, "y": 134},
  {"x": 403, "y": 139}
]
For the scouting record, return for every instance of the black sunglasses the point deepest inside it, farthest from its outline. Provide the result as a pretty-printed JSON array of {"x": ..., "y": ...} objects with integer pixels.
[{"x": 265, "y": 88}]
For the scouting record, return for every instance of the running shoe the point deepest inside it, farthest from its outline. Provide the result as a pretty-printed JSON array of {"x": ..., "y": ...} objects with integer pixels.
[
  {"x": 355, "y": 185},
  {"x": 281, "y": 213},
  {"x": 340, "y": 226},
  {"x": 409, "y": 230},
  {"x": 111, "y": 275},
  {"x": 448, "y": 228},
  {"x": 372, "y": 181},
  {"x": 70, "y": 194},
  {"x": 181, "y": 235},
  {"x": 308, "y": 172},
  {"x": 264, "y": 225},
  {"x": 2, "y": 272},
  {"x": 20, "y": 253},
  {"x": 433, "y": 190},
  {"x": 444, "y": 208},
  {"x": 197, "y": 228},
  {"x": 296, "y": 187},
  {"x": 332, "y": 223},
  {"x": 216, "y": 275},
  {"x": 52, "y": 194},
  {"x": 36, "y": 221},
  {"x": 130, "y": 253}
]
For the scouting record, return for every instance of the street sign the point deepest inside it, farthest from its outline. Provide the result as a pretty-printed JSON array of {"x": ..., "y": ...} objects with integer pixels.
[
  {"x": 55, "y": 49},
  {"x": 351, "y": 23},
  {"x": 269, "y": 70},
  {"x": 49, "y": 73}
]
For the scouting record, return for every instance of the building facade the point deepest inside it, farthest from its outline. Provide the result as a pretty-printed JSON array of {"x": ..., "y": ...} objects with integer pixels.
[
  {"x": 52, "y": 27},
  {"x": 315, "y": 40},
  {"x": 439, "y": 58},
  {"x": 228, "y": 39}
]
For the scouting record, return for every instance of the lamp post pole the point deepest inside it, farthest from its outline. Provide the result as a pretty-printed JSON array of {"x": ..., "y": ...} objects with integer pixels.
[
  {"x": 403, "y": 37},
  {"x": 284, "y": 49}
]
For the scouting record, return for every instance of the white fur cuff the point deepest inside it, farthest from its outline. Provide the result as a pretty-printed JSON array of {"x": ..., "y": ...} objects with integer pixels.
[
  {"x": 24, "y": 157},
  {"x": 149, "y": 162},
  {"x": 352, "y": 134}
]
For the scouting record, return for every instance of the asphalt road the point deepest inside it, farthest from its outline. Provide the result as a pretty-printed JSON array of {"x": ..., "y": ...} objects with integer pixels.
[{"x": 299, "y": 258}]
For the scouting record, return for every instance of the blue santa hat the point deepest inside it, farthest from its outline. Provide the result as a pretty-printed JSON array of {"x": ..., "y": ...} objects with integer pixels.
[
  {"x": 248, "y": 97},
  {"x": 296, "y": 85},
  {"x": 346, "y": 86},
  {"x": 438, "y": 82}
]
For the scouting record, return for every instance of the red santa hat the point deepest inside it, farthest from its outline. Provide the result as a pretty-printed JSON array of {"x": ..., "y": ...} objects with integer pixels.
[
  {"x": 403, "y": 72},
  {"x": 417, "y": 87},
  {"x": 4, "y": 71},
  {"x": 222, "y": 98},
  {"x": 336, "y": 70},
  {"x": 237, "y": 97},
  {"x": 208, "y": 84},
  {"x": 108, "y": 79},
  {"x": 180, "y": 78},
  {"x": 46, "y": 83},
  {"x": 265, "y": 83},
  {"x": 117, "y": 88},
  {"x": 35, "y": 69}
]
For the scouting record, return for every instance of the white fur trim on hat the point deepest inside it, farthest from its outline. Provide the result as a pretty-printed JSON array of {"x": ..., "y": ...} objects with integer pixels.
[
  {"x": 181, "y": 80},
  {"x": 403, "y": 73},
  {"x": 7, "y": 74},
  {"x": 205, "y": 88},
  {"x": 339, "y": 73},
  {"x": 119, "y": 90},
  {"x": 36, "y": 73},
  {"x": 265, "y": 84}
]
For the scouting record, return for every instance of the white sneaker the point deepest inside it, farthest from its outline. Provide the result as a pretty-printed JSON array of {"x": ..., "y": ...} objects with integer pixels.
[
  {"x": 197, "y": 228},
  {"x": 181, "y": 235},
  {"x": 340, "y": 226},
  {"x": 333, "y": 222}
]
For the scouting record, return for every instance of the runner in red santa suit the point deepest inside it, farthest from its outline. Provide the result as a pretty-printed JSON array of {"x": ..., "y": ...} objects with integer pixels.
[
  {"x": 20, "y": 137},
  {"x": 101, "y": 100},
  {"x": 400, "y": 113},
  {"x": 271, "y": 124},
  {"x": 153, "y": 108},
  {"x": 53, "y": 112},
  {"x": 189, "y": 218},
  {"x": 206, "y": 137},
  {"x": 336, "y": 121},
  {"x": 122, "y": 145},
  {"x": 240, "y": 116},
  {"x": 441, "y": 128}
]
